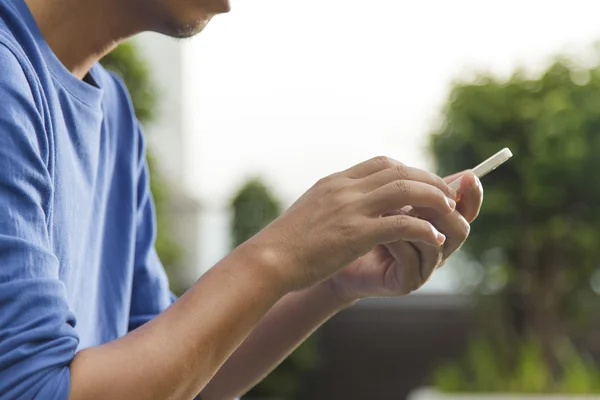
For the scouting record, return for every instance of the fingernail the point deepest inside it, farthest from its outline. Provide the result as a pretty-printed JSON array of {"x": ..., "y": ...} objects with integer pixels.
[
  {"x": 475, "y": 184},
  {"x": 451, "y": 204},
  {"x": 441, "y": 239}
]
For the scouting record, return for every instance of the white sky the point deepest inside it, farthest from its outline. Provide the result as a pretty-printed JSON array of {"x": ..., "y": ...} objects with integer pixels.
[{"x": 296, "y": 90}]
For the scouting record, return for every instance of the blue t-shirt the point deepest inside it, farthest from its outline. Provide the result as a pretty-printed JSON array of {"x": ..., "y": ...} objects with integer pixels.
[{"x": 77, "y": 261}]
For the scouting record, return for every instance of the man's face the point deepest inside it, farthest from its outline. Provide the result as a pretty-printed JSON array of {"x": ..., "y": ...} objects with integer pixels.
[{"x": 182, "y": 18}]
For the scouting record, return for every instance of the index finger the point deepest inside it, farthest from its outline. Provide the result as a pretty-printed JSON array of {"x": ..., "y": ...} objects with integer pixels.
[{"x": 401, "y": 172}]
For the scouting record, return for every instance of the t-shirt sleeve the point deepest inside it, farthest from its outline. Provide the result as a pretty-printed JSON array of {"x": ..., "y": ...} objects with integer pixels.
[
  {"x": 37, "y": 335},
  {"x": 150, "y": 292}
]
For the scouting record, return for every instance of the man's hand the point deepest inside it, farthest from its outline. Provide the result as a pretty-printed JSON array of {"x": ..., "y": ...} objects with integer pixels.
[
  {"x": 334, "y": 223},
  {"x": 403, "y": 266},
  {"x": 346, "y": 215}
]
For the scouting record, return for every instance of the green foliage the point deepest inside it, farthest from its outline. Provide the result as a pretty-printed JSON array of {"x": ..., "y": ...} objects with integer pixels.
[
  {"x": 536, "y": 240},
  {"x": 484, "y": 370},
  {"x": 285, "y": 382},
  {"x": 167, "y": 249},
  {"x": 126, "y": 61},
  {"x": 551, "y": 188},
  {"x": 254, "y": 207}
]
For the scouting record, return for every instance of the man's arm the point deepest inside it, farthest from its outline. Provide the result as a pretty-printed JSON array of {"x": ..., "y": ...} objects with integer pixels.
[
  {"x": 176, "y": 365},
  {"x": 177, "y": 353},
  {"x": 335, "y": 222},
  {"x": 171, "y": 357},
  {"x": 284, "y": 328}
]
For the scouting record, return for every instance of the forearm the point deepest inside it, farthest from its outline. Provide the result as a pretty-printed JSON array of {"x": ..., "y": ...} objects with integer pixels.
[
  {"x": 177, "y": 353},
  {"x": 287, "y": 325}
]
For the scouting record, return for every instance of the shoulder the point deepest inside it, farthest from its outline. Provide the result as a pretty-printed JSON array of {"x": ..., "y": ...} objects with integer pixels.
[
  {"x": 21, "y": 94},
  {"x": 21, "y": 99},
  {"x": 17, "y": 72}
]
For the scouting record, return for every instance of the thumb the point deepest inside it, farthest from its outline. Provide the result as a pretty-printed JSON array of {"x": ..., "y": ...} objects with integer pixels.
[{"x": 470, "y": 194}]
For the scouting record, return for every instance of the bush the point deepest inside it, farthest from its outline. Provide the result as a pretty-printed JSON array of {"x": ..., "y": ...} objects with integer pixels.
[{"x": 536, "y": 241}]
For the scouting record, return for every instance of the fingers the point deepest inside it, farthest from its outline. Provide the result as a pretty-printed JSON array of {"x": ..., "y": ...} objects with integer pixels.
[
  {"x": 399, "y": 172},
  {"x": 454, "y": 226},
  {"x": 369, "y": 167},
  {"x": 431, "y": 258},
  {"x": 393, "y": 170},
  {"x": 417, "y": 253},
  {"x": 395, "y": 228},
  {"x": 415, "y": 262},
  {"x": 408, "y": 272},
  {"x": 400, "y": 193}
]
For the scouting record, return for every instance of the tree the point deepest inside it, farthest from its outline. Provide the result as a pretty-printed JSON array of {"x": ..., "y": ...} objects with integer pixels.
[
  {"x": 537, "y": 240},
  {"x": 254, "y": 207},
  {"x": 126, "y": 61}
]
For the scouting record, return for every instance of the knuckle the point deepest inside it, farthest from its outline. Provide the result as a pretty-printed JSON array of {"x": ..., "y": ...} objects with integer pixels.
[
  {"x": 401, "y": 170},
  {"x": 401, "y": 223},
  {"x": 384, "y": 161},
  {"x": 323, "y": 181},
  {"x": 350, "y": 233},
  {"x": 402, "y": 187},
  {"x": 330, "y": 184}
]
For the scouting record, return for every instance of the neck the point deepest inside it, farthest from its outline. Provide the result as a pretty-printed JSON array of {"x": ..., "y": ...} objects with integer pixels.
[{"x": 81, "y": 32}]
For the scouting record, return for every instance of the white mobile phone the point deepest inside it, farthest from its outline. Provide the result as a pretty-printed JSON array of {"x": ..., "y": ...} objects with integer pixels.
[{"x": 487, "y": 166}]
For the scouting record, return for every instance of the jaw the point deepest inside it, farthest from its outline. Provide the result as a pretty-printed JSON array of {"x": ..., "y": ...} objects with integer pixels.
[{"x": 183, "y": 19}]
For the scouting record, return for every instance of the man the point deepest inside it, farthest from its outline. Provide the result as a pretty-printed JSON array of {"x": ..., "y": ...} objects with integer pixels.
[{"x": 85, "y": 311}]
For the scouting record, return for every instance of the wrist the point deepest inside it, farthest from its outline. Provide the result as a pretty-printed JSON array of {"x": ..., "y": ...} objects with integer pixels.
[
  {"x": 264, "y": 264},
  {"x": 332, "y": 291}
]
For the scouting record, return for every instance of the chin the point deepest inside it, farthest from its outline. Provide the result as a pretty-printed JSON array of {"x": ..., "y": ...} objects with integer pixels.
[
  {"x": 225, "y": 6},
  {"x": 191, "y": 20}
]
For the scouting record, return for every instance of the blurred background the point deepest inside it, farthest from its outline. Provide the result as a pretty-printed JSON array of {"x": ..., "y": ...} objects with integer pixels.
[{"x": 245, "y": 117}]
